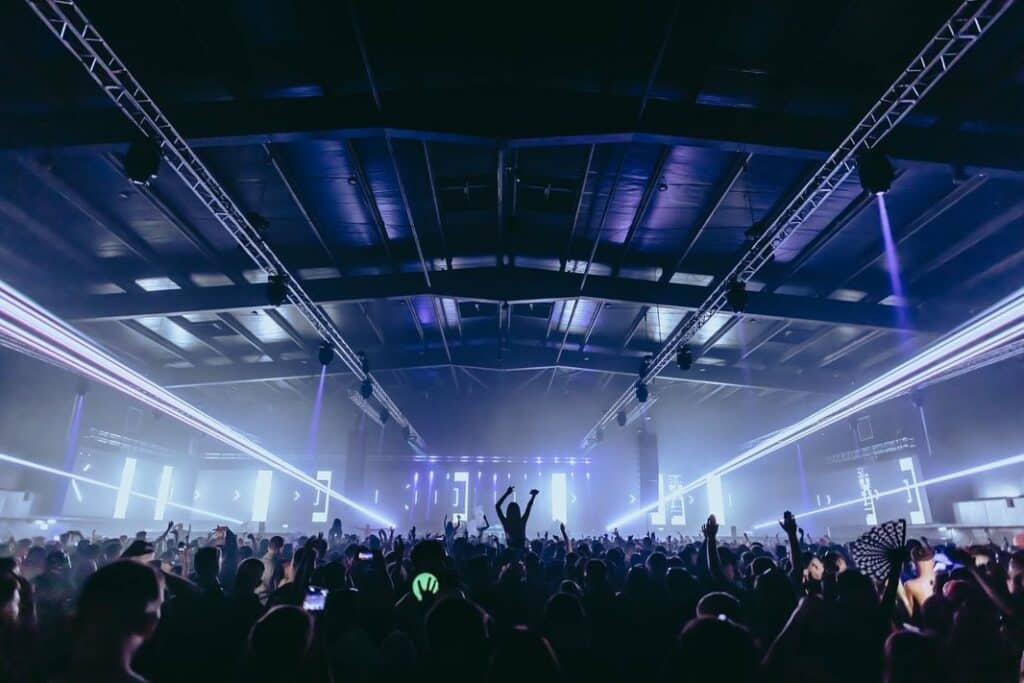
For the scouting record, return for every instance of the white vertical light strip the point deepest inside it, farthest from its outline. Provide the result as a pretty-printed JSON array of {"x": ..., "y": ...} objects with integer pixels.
[
  {"x": 716, "y": 500},
  {"x": 261, "y": 495},
  {"x": 657, "y": 516},
  {"x": 124, "y": 490},
  {"x": 463, "y": 513},
  {"x": 78, "y": 491},
  {"x": 163, "y": 492},
  {"x": 559, "y": 497},
  {"x": 320, "y": 516}
]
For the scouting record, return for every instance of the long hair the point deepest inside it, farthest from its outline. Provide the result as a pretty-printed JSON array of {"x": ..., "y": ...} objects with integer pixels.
[{"x": 512, "y": 513}]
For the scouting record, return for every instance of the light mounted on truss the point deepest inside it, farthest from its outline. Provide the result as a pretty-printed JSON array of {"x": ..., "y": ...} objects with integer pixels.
[
  {"x": 82, "y": 39},
  {"x": 971, "y": 20}
]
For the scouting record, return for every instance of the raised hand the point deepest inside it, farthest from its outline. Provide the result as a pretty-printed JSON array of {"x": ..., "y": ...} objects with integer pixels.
[
  {"x": 509, "y": 490},
  {"x": 788, "y": 523},
  {"x": 710, "y": 528},
  {"x": 534, "y": 492}
]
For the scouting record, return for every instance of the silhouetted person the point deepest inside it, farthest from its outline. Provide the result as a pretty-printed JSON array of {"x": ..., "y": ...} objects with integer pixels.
[
  {"x": 118, "y": 610},
  {"x": 513, "y": 521}
]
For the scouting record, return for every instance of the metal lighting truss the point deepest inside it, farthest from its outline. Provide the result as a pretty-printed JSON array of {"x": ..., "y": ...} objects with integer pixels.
[
  {"x": 83, "y": 40},
  {"x": 954, "y": 38}
]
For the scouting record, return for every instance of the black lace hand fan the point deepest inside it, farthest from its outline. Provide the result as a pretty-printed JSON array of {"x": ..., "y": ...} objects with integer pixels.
[{"x": 878, "y": 551}]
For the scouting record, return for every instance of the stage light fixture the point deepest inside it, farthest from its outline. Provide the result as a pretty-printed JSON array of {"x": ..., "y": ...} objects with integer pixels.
[
  {"x": 258, "y": 221},
  {"x": 325, "y": 354},
  {"x": 406, "y": 433},
  {"x": 25, "y": 322},
  {"x": 875, "y": 172},
  {"x": 142, "y": 161},
  {"x": 384, "y": 416},
  {"x": 366, "y": 388},
  {"x": 641, "y": 392},
  {"x": 620, "y": 418},
  {"x": 736, "y": 296},
  {"x": 917, "y": 398},
  {"x": 684, "y": 359},
  {"x": 277, "y": 290},
  {"x": 363, "y": 362},
  {"x": 999, "y": 324},
  {"x": 754, "y": 232}
]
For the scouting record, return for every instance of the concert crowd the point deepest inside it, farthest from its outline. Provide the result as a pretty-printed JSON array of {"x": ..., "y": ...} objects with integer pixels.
[{"x": 475, "y": 602}]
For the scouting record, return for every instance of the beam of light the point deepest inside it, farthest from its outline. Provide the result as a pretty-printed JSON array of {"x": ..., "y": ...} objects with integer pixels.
[
  {"x": 77, "y": 491},
  {"x": 559, "y": 498},
  {"x": 163, "y": 492},
  {"x": 892, "y": 264},
  {"x": 25, "y": 321},
  {"x": 959, "y": 474},
  {"x": 314, "y": 420},
  {"x": 716, "y": 497},
  {"x": 996, "y": 326},
  {"x": 71, "y": 447},
  {"x": 75, "y": 478},
  {"x": 261, "y": 495},
  {"x": 125, "y": 489}
]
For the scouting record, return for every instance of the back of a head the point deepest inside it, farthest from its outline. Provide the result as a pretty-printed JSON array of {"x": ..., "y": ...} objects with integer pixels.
[
  {"x": 276, "y": 543},
  {"x": 706, "y": 643},
  {"x": 637, "y": 578},
  {"x": 207, "y": 561},
  {"x": 562, "y": 610},
  {"x": 428, "y": 556},
  {"x": 913, "y": 658},
  {"x": 681, "y": 584},
  {"x": 922, "y": 553},
  {"x": 250, "y": 575},
  {"x": 595, "y": 573},
  {"x": 761, "y": 564},
  {"x": 772, "y": 587},
  {"x": 123, "y": 598},
  {"x": 512, "y": 512},
  {"x": 854, "y": 589},
  {"x": 279, "y": 641},
  {"x": 717, "y": 605},
  {"x": 657, "y": 564},
  {"x": 523, "y": 651}
]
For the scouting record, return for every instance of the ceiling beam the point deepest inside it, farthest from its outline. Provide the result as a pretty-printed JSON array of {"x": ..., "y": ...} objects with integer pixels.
[
  {"x": 519, "y": 285},
  {"x": 516, "y": 359},
  {"x": 510, "y": 117}
]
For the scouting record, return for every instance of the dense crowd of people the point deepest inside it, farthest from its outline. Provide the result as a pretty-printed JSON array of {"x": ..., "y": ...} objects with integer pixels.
[{"x": 463, "y": 604}]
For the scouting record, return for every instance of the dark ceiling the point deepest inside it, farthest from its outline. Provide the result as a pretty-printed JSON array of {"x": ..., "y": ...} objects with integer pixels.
[{"x": 514, "y": 147}]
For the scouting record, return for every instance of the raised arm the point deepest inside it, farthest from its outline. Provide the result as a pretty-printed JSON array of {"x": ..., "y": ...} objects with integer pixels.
[
  {"x": 898, "y": 556},
  {"x": 788, "y": 525},
  {"x": 565, "y": 537},
  {"x": 714, "y": 562},
  {"x": 529, "y": 506},
  {"x": 501, "y": 501},
  {"x": 229, "y": 567}
]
